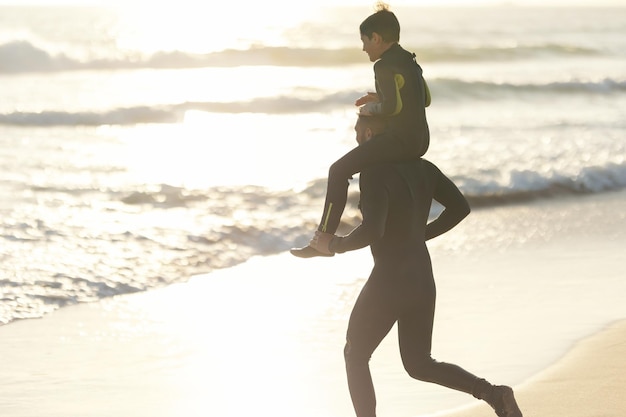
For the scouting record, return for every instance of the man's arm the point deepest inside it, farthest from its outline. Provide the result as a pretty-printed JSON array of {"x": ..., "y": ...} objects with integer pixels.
[
  {"x": 456, "y": 207},
  {"x": 374, "y": 207}
]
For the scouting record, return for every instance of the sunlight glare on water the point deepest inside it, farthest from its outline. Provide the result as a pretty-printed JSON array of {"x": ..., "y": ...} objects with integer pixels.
[
  {"x": 193, "y": 27},
  {"x": 212, "y": 149}
]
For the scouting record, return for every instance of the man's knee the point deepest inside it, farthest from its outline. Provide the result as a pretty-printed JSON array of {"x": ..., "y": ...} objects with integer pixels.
[{"x": 420, "y": 368}]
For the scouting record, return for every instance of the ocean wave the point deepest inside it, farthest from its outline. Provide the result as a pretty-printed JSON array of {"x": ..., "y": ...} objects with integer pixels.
[
  {"x": 442, "y": 90},
  {"x": 458, "y": 89},
  {"x": 21, "y": 56},
  {"x": 490, "y": 53},
  {"x": 523, "y": 186},
  {"x": 488, "y": 192},
  {"x": 174, "y": 113},
  {"x": 123, "y": 116},
  {"x": 161, "y": 250},
  {"x": 529, "y": 185}
]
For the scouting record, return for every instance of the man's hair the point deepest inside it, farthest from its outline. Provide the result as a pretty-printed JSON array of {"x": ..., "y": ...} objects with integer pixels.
[
  {"x": 377, "y": 124},
  {"x": 383, "y": 22}
]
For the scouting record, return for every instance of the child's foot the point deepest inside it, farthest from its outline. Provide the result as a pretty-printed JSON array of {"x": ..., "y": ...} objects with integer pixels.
[
  {"x": 503, "y": 402},
  {"x": 318, "y": 246}
]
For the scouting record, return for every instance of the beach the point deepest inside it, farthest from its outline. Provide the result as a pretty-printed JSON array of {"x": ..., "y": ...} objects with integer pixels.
[
  {"x": 155, "y": 170},
  {"x": 266, "y": 337},
  {"x": 132, "y": 161},
  {"x": 588, "y": 381}
]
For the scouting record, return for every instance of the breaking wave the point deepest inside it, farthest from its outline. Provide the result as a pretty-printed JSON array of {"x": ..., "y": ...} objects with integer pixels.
[
  {"x": 442, "y": 89},
  {"x": 21, "y": 56}
]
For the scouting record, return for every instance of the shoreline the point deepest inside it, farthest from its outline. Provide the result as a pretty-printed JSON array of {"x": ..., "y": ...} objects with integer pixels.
[
  {"x": 223, "y": 345},
  {"x": 166, "y": 365}
]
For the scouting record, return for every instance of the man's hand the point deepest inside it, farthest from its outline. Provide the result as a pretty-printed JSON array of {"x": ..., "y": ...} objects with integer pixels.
[{"x": 335, "y": 241}]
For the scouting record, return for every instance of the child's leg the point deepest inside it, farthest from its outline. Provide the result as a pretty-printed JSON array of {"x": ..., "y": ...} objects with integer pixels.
[{"x": 380, "y": 149}]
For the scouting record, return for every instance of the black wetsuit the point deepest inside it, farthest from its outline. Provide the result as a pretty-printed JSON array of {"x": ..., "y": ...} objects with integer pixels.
[
  {"x": 403, "y": 96},
  {"x": 395, "y": 202}
]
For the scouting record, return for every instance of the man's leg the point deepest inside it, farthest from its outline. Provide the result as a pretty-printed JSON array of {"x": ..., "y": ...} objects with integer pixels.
[
  {"x": 369, "y": 323},
  {"x": 415, "y": 338},
  {"x": 415, "y": 328}
]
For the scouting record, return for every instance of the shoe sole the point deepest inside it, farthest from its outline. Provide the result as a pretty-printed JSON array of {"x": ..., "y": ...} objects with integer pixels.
[{"x": 309, "y": 252}]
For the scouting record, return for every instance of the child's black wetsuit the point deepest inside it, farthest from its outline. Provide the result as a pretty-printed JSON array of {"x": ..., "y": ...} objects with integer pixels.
[{"x": 403, "y": 96}]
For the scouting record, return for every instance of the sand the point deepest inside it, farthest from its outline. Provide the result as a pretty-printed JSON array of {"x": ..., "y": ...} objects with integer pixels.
[{"x": 589, "y": 381}]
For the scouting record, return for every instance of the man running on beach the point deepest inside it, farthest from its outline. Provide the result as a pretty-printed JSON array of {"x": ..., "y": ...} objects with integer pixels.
[{"x": 395, "y": 204}]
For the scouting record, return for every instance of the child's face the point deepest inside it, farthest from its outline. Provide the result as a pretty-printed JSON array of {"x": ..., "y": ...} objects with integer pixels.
[{"x": 372, "y": 46}]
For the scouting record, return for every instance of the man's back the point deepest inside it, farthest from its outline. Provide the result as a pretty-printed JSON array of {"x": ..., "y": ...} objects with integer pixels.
[
  {"x": 397, "y": 198},
  {"x": 395, "y": 202}
]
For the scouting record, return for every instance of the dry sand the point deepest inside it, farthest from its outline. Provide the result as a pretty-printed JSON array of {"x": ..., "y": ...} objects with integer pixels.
[{"x": 590, "y": 381}]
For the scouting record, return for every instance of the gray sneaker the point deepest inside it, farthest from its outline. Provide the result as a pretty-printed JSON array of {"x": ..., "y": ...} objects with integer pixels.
[{"x": 503, "y": 402}]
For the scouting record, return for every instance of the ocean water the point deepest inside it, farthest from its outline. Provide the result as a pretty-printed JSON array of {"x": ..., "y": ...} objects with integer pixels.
[{"x": 138, "y": 149}]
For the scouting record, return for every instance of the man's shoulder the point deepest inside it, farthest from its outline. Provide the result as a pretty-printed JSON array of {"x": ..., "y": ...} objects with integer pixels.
[
  {"x": 386, "y": 169},
  {"x": 378, "y": 174},
  {"x": 377, "y": 170},
  {"x": 380, "y": 171}
]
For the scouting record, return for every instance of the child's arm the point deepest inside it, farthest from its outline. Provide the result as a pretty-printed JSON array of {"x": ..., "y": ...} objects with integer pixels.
[{"x": 388, "y": 85}]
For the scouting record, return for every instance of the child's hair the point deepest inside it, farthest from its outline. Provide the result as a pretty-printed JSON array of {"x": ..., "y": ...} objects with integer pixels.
[{"x": 383, "y": 22}]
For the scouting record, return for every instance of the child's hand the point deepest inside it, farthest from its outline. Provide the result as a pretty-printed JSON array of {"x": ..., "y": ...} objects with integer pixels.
[{"x": 368, "y": 98}]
